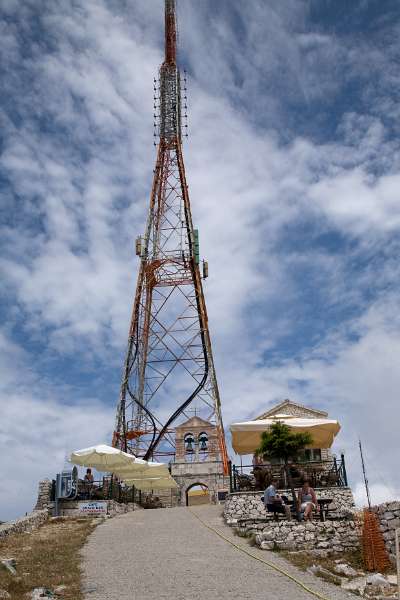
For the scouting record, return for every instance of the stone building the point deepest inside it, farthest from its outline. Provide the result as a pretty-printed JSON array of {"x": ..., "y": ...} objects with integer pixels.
[
  {"x": 325, "y": 471},
  {"x": 198, "y": 460},
  {"x": 287, "y": 407},
  {"x": 317, "y": 464}
]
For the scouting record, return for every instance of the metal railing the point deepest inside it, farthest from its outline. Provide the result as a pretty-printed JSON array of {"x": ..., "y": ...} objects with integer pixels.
[
  {"x": 106, "y": 488},
  {"x": 320, "y": 474}
]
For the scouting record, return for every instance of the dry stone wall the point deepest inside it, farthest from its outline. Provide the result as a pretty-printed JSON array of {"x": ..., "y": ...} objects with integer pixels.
[
  {"x": 317, "y": 538},
  {"x": 240, "y": 505},
  {"x": 44, "y": 494},
  {"x": 70, "y": 508},
  {"x": 389, "y": 520},
  {"x": 116, "y": 508},
  {"x": 24, "y": 524}
]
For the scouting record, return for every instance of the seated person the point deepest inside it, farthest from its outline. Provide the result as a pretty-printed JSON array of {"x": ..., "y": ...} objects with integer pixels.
[
  {"x": 257, "y": 460},
  {"x": 307, "y": 500},
  {"x": 274, "y": 502},
  {"x": 89, "y": 476},
  {"x": 88, "y": 479}
]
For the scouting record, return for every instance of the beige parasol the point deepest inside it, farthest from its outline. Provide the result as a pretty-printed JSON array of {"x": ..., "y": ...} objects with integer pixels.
[
  {"x": 142, "y": 469},
  {"x": 156, "y": 483},
  {"x": 246, "y": 436},
  {"x": 105, "y": 458},
  {"x": 134, "y": 471}
]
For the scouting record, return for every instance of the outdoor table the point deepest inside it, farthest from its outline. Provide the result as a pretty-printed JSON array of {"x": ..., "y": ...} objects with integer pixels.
[{"x": 324, "y": 503}]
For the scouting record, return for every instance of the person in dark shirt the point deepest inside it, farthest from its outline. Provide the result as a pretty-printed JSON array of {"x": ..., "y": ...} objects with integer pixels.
[
  {"x": 89, "y": 476},
  {"x": 88, "y": 482}
]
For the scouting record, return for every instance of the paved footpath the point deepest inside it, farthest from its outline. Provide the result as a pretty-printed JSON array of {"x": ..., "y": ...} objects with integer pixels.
[{"x": 170, "y": 554}]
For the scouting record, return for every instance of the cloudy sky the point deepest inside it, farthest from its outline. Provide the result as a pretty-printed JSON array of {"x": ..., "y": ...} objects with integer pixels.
[{"x": 293, "y": 163}]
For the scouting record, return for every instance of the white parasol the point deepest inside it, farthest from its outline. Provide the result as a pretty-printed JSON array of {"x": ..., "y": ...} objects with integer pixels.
[
  {"x": 106, "y": 458},
  {"x": 246, "y": 436},
  {"x": 156, "y": 483}
]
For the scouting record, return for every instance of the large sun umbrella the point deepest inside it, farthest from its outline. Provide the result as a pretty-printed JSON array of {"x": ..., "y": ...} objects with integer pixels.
[
  {"x": 155, "y": 469},
  {"x": 156, "y": 483},
  {"x": 246, "y": 436},
  {"x": 105, "y": 458},
  {"x": 146, "y": 470},
  {"x": 134, "y": 471}
]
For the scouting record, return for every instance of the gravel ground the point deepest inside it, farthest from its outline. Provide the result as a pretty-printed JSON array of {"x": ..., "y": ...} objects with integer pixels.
[{"x": 170, "y": 554}]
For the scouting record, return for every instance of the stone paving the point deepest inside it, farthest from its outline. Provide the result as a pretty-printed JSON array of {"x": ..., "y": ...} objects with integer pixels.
[{"x": 170, "y": 554}]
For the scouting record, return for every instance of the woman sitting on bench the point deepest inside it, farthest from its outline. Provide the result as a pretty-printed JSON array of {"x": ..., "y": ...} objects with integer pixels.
[{"x": 307, "y": 500}]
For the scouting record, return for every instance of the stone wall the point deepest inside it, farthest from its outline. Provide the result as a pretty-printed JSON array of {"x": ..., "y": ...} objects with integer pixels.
[
  {"x": 240, "y": 505},
  {"x": 116, "y": 508},
  {"x": 389, "y": 520},
  {"x": 317, "y": 538},
  {"x": 249, "y": 504},
  {"x": 168, "y": 498},
  {"x": 70, "y": 508},
  {"x": 44, "y": 494},
  {"x": 28, "y": 523}
]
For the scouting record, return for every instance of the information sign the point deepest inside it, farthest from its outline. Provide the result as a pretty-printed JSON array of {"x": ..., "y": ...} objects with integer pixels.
[{"x": 93, "y": 507}]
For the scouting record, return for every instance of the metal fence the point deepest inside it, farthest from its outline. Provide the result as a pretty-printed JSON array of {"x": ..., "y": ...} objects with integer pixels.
[
  {"x": 320, "y": 474},
  {"x": 107, "y": 488}
]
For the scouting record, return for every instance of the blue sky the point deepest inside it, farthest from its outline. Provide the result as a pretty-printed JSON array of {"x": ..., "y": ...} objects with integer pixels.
[{"x": 294, "y": 168}]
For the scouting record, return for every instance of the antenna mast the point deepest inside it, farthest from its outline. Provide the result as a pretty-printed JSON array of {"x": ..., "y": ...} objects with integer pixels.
[
  {"x": 169, "y": 363},
  {"x": 170, "y": 32},
  {"x": 365, "y": 476}
]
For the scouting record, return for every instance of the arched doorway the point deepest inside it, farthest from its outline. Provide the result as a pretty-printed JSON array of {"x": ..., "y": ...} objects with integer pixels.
[{"x": 196, "y": 494}]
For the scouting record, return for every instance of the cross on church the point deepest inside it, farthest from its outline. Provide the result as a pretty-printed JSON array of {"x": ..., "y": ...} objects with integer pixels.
[{"x": 192, "y": 410}]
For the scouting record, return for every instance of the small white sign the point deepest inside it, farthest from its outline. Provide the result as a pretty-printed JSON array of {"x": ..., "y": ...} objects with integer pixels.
[{"x": 93, "y": 507}]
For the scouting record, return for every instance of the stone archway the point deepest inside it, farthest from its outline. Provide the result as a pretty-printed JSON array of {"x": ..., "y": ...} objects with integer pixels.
[{"x": 201, "y": 498}]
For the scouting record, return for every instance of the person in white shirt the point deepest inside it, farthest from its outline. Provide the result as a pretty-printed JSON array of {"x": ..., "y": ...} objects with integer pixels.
[{"x": 274, "y": 502}]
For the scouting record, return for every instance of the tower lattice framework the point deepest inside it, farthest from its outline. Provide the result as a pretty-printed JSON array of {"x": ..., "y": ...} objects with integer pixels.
[{"x": 169, "y": 372}]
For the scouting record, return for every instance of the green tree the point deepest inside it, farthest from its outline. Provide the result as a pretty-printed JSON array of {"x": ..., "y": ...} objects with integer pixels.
[{"x": 279, "y": 442}]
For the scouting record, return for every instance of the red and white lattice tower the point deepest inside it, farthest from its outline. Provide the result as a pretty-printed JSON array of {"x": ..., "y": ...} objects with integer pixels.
[{"x": 169, "y": 371}]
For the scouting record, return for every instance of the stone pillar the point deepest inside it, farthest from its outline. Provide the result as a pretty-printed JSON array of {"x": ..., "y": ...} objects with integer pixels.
[{"x": 44, "y": 494}]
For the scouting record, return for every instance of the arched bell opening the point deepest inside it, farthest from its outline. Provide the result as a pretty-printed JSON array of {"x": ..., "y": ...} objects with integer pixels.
[
  {"x": 189, "y": 444},
  {"x": 203, "y": 446}
]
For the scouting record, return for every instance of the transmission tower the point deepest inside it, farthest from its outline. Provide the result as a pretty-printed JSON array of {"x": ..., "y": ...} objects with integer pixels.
[{"x": 169, "y": 371}]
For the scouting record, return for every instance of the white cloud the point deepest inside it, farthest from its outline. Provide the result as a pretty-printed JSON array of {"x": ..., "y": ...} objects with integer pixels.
[
  {"x": 40, "y": 425},
  {"x": 351, "y": 201},
  {"x": 378, "y": 493}
]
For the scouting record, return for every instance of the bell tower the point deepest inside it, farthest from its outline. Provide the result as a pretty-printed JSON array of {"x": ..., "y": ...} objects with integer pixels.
[{"x": 198, "y": 459}]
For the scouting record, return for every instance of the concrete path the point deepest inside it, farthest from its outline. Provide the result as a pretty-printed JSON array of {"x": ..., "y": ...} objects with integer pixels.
[{"x": 170, "y": 554}]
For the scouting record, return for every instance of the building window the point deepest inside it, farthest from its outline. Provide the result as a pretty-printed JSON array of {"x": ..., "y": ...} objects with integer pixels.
[
  {"x": 310, "y": 455},
  {"x": 316, "y": 454}
]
